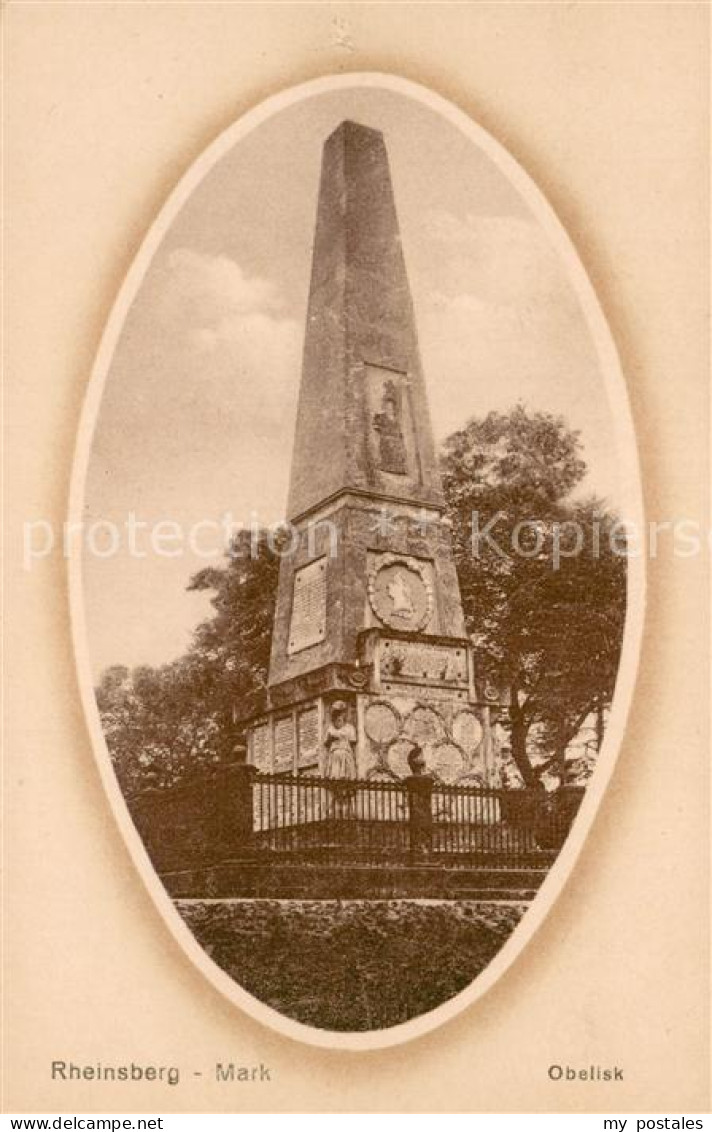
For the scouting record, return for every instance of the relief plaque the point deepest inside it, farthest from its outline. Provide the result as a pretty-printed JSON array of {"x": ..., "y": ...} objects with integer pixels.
[
  {"x": 308, "y": 737},
  {"x": 445, "y": 762},
  {"x": 307, "y": 625},
  {"x": 284, "y": 743},
  {"x": 388, "y": 420},
  {"x": 400, "y": 591},
  {"x": 424, "y": 726},
  {"x": 261, "y": 753},
  {"x": 381, "y": 722},
  {"x": 467, "y": 731},
  {"x": 398, "y": 757},
  {"x": 411, "y": 662}
]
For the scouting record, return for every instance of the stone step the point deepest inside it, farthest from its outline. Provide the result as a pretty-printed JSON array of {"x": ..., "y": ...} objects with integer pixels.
[
  {"x": 516, "y": 895},
  {"x": 323, "y": 882}
]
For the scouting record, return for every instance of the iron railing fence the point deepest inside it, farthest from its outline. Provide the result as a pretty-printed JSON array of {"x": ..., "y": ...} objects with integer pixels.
[
  {"x": 320, "y": 818},
  {"x": 380, "y": 821}
]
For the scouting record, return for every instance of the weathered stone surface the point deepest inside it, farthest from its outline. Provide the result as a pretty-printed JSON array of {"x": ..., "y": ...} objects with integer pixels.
[
  {"x": 371, "y": 553},
  {"x": 307, "y": 624},
  {"x": 360, "y": 334},
  {"x": 358, "y": 539}
]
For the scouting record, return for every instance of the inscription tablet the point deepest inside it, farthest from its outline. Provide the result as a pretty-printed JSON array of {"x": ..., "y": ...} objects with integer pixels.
[
  {"x": 308, "y": 736},
  {"x": 414, "y": 661},
  {"x": 284, "y": 743},
  {"x": 307, "y": 626},
  {"x": 261, "y": 753}
]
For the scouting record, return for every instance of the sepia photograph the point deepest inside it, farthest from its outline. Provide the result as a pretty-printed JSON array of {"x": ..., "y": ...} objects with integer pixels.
[
  {"x": 356, "y": 577},
  {"x": 355, "y": 581}
]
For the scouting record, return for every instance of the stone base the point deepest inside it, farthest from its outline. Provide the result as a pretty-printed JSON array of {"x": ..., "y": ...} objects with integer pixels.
[{"x": 404, "y": 691}]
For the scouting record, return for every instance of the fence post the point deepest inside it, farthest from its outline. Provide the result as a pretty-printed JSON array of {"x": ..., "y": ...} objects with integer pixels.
[
  {"x": 420, "y": 813},
  {"x": 235, "y": 805}
]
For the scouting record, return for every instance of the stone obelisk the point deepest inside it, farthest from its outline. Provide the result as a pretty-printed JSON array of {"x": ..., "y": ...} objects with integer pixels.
[{"x": 368, "y": 614}]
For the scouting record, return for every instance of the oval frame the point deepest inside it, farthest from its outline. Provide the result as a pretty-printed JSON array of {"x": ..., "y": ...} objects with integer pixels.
[{"x": 627, "y": 452}]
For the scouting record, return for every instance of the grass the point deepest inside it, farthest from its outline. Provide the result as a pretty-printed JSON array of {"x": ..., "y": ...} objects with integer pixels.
[{"x": 352, "y": 965}]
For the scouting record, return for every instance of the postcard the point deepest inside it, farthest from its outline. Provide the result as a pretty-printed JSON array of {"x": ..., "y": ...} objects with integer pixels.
[{"x": 357, "y": 706}]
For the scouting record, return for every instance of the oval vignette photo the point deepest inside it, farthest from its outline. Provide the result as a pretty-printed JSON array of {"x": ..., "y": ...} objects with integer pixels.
[{"x": 355, "y": 606}]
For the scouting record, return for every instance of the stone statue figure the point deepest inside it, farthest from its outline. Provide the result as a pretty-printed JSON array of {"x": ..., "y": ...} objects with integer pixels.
[
  {"x": 388, "y": 425},
  {"x": 340, "y": 744},
  {"x": 400, "y": 595}
]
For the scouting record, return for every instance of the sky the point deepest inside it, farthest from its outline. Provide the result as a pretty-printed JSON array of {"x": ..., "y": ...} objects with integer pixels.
[{"x": 197, "y": 415}]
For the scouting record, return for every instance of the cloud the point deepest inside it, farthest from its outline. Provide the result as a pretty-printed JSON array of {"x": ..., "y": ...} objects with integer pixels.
[
  {"x": 230, "y": 333},
  {"x": 498, "y": 315},
  {"x": 215, "y": 285},
  {"x": 503, "y": 260},
  {"x": 198, "y": 412}
]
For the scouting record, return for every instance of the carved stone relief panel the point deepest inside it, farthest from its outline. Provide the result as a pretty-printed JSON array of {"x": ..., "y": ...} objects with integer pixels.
[
  {"x": 307, "y": 626},
  {"x": 401, "y": 591},
  {"x": 392, "y": 438}
]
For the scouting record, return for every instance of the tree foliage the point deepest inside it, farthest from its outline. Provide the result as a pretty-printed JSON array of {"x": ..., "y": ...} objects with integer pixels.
[
  {"x": 542, "y": 576},
  {"x": 163, "y": 723}
]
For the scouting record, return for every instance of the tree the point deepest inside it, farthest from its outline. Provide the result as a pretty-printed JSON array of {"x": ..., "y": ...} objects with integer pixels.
[
  {"x": 542, "y": 579},
  {"x": 163, "y": 723},
  {"x": 156, "y": 729},
  {"x": 231, "y": 650}
]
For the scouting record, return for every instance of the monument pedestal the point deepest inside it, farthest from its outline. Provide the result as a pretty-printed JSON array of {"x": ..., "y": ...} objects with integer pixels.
[{"x": 403, "y": 690}]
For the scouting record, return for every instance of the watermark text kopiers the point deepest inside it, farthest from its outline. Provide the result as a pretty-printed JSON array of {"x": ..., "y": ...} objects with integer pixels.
[{"x": 212, "y": 538}]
